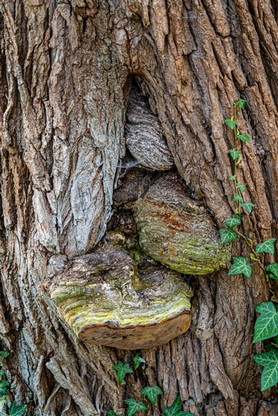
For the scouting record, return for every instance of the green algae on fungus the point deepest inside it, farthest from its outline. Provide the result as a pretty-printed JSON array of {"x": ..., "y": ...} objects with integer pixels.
[
  {"x": 119, "y": 307},
  {"x": 177, "y": 231}
]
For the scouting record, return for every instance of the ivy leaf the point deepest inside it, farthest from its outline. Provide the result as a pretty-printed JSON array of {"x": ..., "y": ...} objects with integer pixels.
[
  {"x": 266, "y": 325},
  {"x": 234, "y": 153},
  {"x": 17, "y": 409},
  {"x": 248, "y": 206},
  {"x": 240, "y": 266},
  {"x": 273, "y": 269},
  {"x": 2, "y": 372},
  {"x": 230, "y": 122},
  {"x": 175, "y": 409},
  {"x": 138, "y": 360},
  {"x": 112, "y": 413},
  {"x": 3, "y": 388},
  {"x": 269, "y": 360},
  {"x": 272, "y": 276},
  {"x": 266, "y": 247},
  {"x": 151, "y": 393},
  {"x": 237, "y": 197},
  {"x": 232, "y": 178},
  {"x": 134, "y": 406},
  {"x": 241, "y": 103},
  {"x": 4, "y": 354},
  {"x": 122, "y": 370},
  {"x": 241, "y": 186},
  {"x": 3, "y": 392},
  {"x": 226, "y": 235},
  {"x": 3, "y": 403},
  {"x": 243, "y": 137},
  {"x": 233, "y": 221}
]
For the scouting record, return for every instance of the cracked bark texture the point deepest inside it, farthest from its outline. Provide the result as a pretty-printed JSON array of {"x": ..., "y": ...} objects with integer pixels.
[{"x": 65, "y": 69}]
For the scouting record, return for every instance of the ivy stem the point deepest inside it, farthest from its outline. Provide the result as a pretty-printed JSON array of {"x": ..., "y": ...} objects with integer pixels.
[
  {"x": 251, "y": 246},
  {"x": 256, "y": 258},
  {"x": 237, "y": 147}
]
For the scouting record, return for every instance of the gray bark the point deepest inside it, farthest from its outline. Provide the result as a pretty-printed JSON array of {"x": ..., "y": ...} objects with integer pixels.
[{"x": 66, "y": 70}]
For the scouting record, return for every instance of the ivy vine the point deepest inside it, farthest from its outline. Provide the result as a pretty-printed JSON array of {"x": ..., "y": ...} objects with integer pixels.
[
  {"x": 266, "y": 325},
  {"x": 149, "y": 394}
]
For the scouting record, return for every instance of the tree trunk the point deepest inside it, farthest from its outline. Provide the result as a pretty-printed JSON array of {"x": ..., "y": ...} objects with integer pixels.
[{"x": 67, "y": 70}]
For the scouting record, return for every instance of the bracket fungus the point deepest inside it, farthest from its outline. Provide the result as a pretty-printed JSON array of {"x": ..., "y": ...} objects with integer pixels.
[
  {"x": 178, "y": 231},
  {"x": 106, "y": 301}
]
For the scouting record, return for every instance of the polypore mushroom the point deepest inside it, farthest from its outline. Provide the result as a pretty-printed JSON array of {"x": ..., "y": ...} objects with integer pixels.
[
  {"x": 105, "y": 302},
  {"x": 178, "y": 231}
]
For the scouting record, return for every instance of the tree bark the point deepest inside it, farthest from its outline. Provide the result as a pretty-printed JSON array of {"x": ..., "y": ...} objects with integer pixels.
[{"x": 66, "y": 70}]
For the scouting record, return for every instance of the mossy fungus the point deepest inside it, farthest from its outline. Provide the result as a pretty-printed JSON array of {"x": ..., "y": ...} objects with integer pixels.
[
  {"x": 106, "y": 302},
  {"x": 178, "y": 231}
]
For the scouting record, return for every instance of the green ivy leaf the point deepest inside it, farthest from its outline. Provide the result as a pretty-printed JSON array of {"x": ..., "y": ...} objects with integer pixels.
[
  {"x": 234, "y": 153},
  {"x": 3, "y": 388},
  {"x": 269, "y": 360},
  {"x": 266, "y": 247},
  {"x": 138, "y": 360},
  {"x": 230, "y": 122},
  {"x": 5, "y": 354},
  {"x": 151, "y": 393},
  {"x": 3, "y": 392},
  {"x": 112, "y": 413},
  {"x": 241, "y": 103},
  {"x": 248, "y": 206},
  {"x": 273, "y": 269},
  {"x": 232, "y": 178},
  {"x": 174, "y": 409},
  {"x": 122, "y": 370},
  {"x": 241, "y": 186},
  {"x": 17, "y": 409},
  {"x": 3, "y": 403},
  {"x": 233, "y": 221},
  {"x": 226, "y": 235},
  {"x": 243, "y": 137},
  {"x": 134, "y": 406},
  {"x": 272, "y": 276},
  {"x": 2, "y": 373},
  {"x": 240, "y": 266},
  {"x": 266, "y": 325},
  {"x": 237, "y": 197}
]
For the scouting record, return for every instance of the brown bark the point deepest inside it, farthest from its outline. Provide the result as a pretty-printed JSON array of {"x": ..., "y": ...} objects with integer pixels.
[{"x": 66, "y": 68}]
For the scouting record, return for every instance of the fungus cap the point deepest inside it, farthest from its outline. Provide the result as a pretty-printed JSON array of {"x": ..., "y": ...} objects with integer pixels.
[{"x": 104, "y": 300}]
